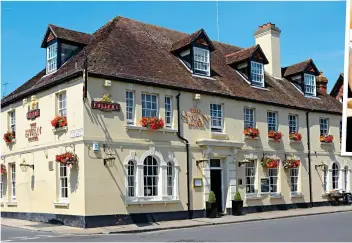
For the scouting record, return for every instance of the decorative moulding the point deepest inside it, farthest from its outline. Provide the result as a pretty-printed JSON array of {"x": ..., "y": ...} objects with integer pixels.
[
  {"x": 11, "y": 204},
  {"x": 61, "y": 204},
  {"x": 220, "y": 135}
]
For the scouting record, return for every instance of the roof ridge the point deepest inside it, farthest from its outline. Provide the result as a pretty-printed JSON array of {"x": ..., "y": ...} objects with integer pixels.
[
  {"x": 56, "y": 26},
  {"x": 244, "y": 49}
]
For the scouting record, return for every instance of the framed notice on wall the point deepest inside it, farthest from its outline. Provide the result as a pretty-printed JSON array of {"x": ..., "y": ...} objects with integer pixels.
[
  {"x": 264, "y": 184},
  {"x": 197, "y": 182}
]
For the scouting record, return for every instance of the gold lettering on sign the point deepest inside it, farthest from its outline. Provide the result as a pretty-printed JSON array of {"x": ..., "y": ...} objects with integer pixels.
[{"x": 195, "y": 118}]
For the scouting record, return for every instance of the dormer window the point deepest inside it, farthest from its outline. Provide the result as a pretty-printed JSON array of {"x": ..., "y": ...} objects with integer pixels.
[
  {"x": 257, "y": 74},
  {"x": 51, "y": 64},
  {"x": 201, "y": 61},
  {"x": 309, "y": 85}
]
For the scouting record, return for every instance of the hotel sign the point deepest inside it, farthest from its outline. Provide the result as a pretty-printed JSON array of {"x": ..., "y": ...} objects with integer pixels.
[
  {"x": 31, "y": 115},
  {"x": 195, "y": 118},
  {"x": 32, "y": 133},
  {"x": 105, "y": 106}
]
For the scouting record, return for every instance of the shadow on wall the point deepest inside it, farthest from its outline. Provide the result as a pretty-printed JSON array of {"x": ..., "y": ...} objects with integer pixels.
[{"x": 74, "y": 179}]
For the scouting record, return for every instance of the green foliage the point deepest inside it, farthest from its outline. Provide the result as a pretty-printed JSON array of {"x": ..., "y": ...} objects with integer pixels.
[
  {"x": 212, "y": 198},
  {"x": 237, "y": 197}
]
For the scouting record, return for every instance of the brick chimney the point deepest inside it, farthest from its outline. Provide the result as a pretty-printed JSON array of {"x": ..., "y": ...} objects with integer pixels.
[
  {"x": 322, "y": 83},
  {"x": 268, "y": 37}
]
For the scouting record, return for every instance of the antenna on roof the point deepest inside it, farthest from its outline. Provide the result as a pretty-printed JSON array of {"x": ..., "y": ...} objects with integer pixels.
[
  {"x": 4, "y": 85},
  {"x": 217, "y": 19}
]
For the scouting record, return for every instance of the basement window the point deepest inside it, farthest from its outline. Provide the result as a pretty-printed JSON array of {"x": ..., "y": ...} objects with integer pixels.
[{"x": 257, "y": 74}]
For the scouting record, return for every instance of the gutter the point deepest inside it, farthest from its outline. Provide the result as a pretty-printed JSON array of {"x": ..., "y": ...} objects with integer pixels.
[
  {"x": 309, "y": 162},
  {"x": 187, "y": 154}
]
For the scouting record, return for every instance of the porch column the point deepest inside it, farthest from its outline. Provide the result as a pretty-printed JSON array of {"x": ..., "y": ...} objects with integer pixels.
[{"x": 231, "y": 162}]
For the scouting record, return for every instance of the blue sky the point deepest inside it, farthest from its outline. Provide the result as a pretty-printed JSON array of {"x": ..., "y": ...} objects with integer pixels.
[{"x": 309, "y": 29}]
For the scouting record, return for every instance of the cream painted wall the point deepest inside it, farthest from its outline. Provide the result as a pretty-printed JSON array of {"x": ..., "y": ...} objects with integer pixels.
[{"x": 37, "y": 191}]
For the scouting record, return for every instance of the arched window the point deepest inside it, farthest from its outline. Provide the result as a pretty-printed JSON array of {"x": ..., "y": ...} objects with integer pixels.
[
  {"x": 170, "y": 178},
  {"x": 131, "y": 179},
  {"x": 335, "y": 176},
  {"x": 345, "y": 178},
  {"x": 151, "y": 176}
]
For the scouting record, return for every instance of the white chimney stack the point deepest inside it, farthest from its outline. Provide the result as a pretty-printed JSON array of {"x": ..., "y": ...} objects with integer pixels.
[{"x": 268, "y": 37}]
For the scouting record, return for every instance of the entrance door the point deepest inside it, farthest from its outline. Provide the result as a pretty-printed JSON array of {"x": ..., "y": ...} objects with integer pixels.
[{"x": 216, "y": 182}]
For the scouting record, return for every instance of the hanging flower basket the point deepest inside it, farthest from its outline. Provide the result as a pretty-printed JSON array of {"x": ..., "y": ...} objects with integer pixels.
[
  {"x": 251, "y": 132},
  {"x": 326, "y": 138},
  {"x": 153, "y": 123},
  {"x": 59, "y": 121},
  {"x": 275, "y": 135},
  {"x": 9, "y": 137},
  {"x": 67, "y": 158},
  {"x": 3, "y": 169},
  {"x": 291, "y": 163},
  {"x": 295, "y": 136},
  {"x": 270, "y": 163}
]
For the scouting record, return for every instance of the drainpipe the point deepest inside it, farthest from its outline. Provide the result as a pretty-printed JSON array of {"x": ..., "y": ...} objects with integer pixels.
[
  {"x": 309, "y": 162},
  {"x": 187, "y": 154}
]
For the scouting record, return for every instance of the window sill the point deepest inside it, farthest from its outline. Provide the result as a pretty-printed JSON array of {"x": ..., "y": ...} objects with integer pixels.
[
  {"x": 61, "y": 204},
  {"x": 296, "y": 195},
  {"x": 254, "y": 197},
  {"x": 150, "y": 200},
  {"x": 60, "y": 129},
  {"x": 220, "y": 135},
  {"x": 275, "y": 196},
  {"x": 139, "y": 128},
  {"x": 12, "y": 204}
]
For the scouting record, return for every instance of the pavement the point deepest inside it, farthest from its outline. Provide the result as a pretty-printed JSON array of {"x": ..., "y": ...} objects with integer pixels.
[
  {"x": 332, "y": 227},
  {"x": 176, "y": 224}
]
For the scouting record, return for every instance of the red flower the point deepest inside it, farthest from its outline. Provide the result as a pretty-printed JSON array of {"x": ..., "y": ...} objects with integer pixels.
[
  {"x": 275, "y": 135},
  {"x": 59, "y": 121},
  {"x": 9, "y": 137},
  {"x": 251, "y": 132},
  {"x": 153, "y": 123},
  {"x": 295, "y": 136},
  {"x": 326, "y": 138},
  {"x": 3, "y": 169}
]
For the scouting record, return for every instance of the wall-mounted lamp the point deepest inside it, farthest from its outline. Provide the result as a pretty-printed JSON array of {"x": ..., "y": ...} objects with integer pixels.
[
  {"x": 197, "y": 97},
  {"x": 245, "y": 161},
  {"x": 109, "y": 161},
  {"x": 24, "y": 167}
]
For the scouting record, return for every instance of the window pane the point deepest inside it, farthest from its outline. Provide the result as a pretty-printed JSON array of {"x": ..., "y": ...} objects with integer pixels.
[
  {"x": 150, "y": 176},
  {"x": 149, "y": 105},
  {"x": 257, "y": 74}
]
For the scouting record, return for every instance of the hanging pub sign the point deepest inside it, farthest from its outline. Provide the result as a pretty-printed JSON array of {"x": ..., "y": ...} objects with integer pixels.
[
  {"x": 105, "y": 104},
  {"x": 195, "y": 118},
  {"x": 33, "y": 133},
  {"x": 33, "y": 110}
]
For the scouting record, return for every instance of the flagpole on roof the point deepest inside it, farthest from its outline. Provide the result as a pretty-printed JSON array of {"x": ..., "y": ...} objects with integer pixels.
[{"x": 217, "y": 18}]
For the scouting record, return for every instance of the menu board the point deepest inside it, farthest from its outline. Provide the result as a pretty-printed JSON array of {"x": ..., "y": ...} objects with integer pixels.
[{"x": 264, "y": 184}]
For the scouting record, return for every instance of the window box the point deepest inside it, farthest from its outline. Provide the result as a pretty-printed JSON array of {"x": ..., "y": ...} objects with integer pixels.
[
  {"x": 9, "y": 137},
  {"x": 69, "y": 159},
  {"x": 291, "y": 163},
  {"x": 270, "y": 163},
  {"x": 274, "y": 136},
  {"x": 60, "y": 129},
  {"x": 295, "y": 137},
  {"x": 139, "y": 128},
  {"x": 59, "y": 122},
  {"x": 251, "y": 133},
  {"x": 326, "y": 139},
  {"x": 152, "y": 123}
]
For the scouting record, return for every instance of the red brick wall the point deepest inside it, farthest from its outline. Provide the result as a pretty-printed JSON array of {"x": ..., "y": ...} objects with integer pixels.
[{"x": 340, "y": 93}]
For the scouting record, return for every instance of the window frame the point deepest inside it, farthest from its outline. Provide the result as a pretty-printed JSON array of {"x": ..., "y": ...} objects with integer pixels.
[
  {"x": 323, "y": 129},
  {"x": 311, "y": 78},
  {"x": 199, "y": 51},
  {"x": 217, "y": 128},
  {"x": 325, "y": 179},
  {"x": 276, "y": 120},
  {"x": 130, "y": 120},
  {"x": 251, "y": 116},
  {"x": 145, "y": 101},
  {"x": 345, "y": 178},
  {"x": 294, "y": 180},
  {"x": 13, "y": 181},
  {"x": 291, "y": 126},
  {"x": 272, "y": 177},
  {"x": 63, "y": 178},
  {"x": 129, "y": 176},
  {"x": 52, "y": 49},
  {"x": 168, "y": 109},
  {"x": 62, "y": 101},
  {"x": 170, "y": 178},
  {"x": 155, "y": 185},
  {"x": 335, "y": 176},
  {"x": 250, "y": 166},
  {"x": 257, "y": 69},
  {"x": 12, "y": 121}
]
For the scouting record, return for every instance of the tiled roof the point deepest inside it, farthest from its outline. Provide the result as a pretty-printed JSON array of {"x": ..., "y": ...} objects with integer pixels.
[
  {"x": 296, "y": 68},
  {"x": 70, "y": 35},
  {"x": 189, "y": 39},
  {"x": 132, "y": 51},
  {"x": 243, "y": 54}
]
